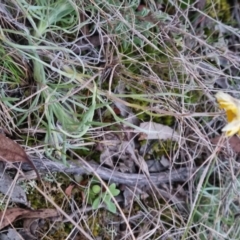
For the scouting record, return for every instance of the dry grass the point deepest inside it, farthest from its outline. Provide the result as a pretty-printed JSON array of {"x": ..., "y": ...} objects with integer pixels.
[{"x": 69, "y": 67}]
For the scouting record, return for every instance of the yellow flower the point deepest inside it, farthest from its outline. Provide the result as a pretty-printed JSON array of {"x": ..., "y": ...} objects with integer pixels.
[{"x": 232, "y": 107}]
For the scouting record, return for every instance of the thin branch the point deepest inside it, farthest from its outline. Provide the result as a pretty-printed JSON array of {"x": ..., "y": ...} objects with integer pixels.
[{"x": 78, "y": 167}]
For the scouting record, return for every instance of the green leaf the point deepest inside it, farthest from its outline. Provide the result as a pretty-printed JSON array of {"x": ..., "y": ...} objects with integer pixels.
[
  {"x": 87, "y": 117},
  {"x": 96, "y": 203},
  {"x": 111, "y": 207},
  {"x": 106, "y": 198},
  {"x": 112, "y": 186},
  {"x": 113, "y": 190},
  {"x": 96, "y": 189},
  {"x": 116, "y": 192}
]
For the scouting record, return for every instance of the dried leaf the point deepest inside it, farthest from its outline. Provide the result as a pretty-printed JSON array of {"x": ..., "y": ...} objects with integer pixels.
[
  {"x": 10, "y": 151},
  {"x": 151, "y": 130},
  {"x": 11, "y": 234},
  {"x": 68, "y": 190},
  {"x": 234, "y": 143},
  {"x": 10, "y": 215},
  {"x": 16, "y": 193}
]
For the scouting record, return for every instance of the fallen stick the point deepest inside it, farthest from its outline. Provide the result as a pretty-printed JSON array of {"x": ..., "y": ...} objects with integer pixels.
[{"x": 90, "y": 168}]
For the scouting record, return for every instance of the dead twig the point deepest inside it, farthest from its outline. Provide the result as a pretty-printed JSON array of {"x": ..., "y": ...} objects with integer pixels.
[{"x": 78, "y": 167}]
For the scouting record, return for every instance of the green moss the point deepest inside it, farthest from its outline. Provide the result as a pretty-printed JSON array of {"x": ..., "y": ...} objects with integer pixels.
[
  {"x": 219, "y": 9},
  {"x": 61, "y": 231},
  {"x": 160, "y": 148},
  {"x": 164, "y": 148},
  {"x": 193, "y": 97}
]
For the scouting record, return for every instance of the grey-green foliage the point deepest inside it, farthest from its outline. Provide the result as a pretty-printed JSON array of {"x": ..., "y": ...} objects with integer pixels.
[{"x": 96, "y": 197}]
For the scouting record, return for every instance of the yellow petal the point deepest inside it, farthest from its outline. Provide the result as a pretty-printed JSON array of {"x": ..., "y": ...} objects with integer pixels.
[
  {"x": 230, "y": 115},
  {"x": 229, "y": 104},
  {"x": 232, "y": 128}
]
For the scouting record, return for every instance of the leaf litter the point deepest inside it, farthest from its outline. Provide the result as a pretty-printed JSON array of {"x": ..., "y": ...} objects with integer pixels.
[
  {"x": 119, "y": 151},
  {"x": 233, "y": 142},
  {"x": 11, "y": 189},
  {"x": 152, "y": 130},
  {"x": 12, "y": 152},
  {"x": 10, "y": 215}
]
